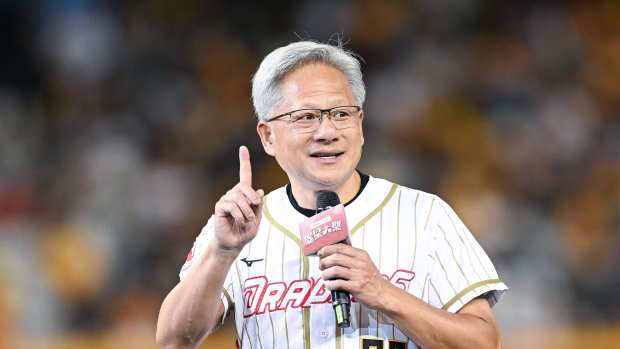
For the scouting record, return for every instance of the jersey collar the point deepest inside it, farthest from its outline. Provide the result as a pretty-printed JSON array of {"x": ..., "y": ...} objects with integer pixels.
[
  {"x": 311, "y": 212},
  {"x": 373, "y": 196}
]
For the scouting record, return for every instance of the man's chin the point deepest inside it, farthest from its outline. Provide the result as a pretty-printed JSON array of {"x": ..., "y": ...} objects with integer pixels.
[{"x": 326, "y": 181}]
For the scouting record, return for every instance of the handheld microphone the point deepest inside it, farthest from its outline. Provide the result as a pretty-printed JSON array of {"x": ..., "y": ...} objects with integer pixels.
[{"x": 328, "y": 226}]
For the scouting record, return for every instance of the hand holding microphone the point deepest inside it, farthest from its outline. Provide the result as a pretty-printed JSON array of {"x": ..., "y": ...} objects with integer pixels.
[
  {"x": 328, "y": 227},
  {"x": 345, "y": 269},
  {"x": 350, "y": 269}
]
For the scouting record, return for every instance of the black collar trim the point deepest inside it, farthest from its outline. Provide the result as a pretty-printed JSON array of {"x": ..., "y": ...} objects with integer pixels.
[{"x": 311, "y": 212}]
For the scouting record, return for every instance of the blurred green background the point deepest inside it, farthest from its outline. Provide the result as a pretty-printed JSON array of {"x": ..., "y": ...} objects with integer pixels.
[{"x": 120, "y": 122}]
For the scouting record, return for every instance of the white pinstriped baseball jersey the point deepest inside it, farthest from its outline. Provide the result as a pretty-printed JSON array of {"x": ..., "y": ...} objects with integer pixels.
[{"x": 414, "y": 238}]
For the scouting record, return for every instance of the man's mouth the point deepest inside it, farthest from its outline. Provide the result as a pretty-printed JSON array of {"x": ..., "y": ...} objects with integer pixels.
[{"x": 326, "y": 155}]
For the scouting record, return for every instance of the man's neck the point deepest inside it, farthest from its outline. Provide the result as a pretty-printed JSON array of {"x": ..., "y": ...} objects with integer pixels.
[{"x": 306, "y": 197}]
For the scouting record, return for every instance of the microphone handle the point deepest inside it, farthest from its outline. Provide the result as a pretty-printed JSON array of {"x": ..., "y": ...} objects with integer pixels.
[{"x": 342, "y": 308}]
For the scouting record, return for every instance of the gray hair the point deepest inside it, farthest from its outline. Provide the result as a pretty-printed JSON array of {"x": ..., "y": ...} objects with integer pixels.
[{"x": 283, "y": 60}]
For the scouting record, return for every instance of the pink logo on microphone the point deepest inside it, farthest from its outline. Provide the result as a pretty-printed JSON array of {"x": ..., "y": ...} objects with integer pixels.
[{"x": 326, "y": 228}]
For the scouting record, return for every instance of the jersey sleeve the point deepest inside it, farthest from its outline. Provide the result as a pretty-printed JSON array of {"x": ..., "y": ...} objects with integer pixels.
[
  {"x": 461, "y": 270},
  {"x": 200, "y": 244}
]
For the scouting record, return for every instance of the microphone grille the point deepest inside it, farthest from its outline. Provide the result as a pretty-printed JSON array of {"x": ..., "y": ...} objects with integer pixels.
[{"x": 326, "y": 199}]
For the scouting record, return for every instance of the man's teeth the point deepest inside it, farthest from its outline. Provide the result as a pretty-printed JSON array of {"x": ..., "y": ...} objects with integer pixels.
[{"x": 327, "y": 156}]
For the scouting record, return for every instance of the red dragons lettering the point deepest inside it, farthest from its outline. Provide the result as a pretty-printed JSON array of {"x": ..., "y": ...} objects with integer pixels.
[
  {"x": 296, "y": 294},
  {"x": 319, "y": 293},
  {"x": 252, "y": 294},
  {"x": 272, "y": 296},
  {"x": 260, "y": 295}
]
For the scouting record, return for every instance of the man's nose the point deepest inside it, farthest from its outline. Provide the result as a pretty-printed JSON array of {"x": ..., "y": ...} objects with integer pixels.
[{"x": 327, "y": 129}]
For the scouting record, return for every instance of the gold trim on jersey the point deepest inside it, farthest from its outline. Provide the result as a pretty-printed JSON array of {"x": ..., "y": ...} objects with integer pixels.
[
  {"x": 288, "y": 344},
  {"x": 468, "y": 244},
  {"x": 306, "y": 311},
  {"x": 266, "y": 260},
  {"x": 244, "y": 327},
  {"x": 376, "y": 210},
  {"x": 438, "y": 260},
  {"x": 459, "y": 295},
  {"x": 445, "y": 236},
  {"x": 295, "y": 238},
  {"x": 415, "y": 232},
  {"x": 280, "y": 227},
  {"x": 229, "y": 299}
]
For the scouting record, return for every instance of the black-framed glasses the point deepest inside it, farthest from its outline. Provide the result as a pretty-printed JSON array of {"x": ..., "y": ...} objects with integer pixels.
[{"x": 309, "y": 119}]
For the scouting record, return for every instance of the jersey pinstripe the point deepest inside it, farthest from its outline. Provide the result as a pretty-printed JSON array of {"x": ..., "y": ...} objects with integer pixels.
[{"x": 415, "y": 239}]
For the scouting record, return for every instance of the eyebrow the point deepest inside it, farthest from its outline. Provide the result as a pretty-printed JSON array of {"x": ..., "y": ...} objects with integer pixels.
[{"x": 314, "y": 106}]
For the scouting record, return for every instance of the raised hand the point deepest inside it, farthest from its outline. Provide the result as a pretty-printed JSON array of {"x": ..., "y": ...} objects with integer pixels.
[{"x": 238, "y": 212}]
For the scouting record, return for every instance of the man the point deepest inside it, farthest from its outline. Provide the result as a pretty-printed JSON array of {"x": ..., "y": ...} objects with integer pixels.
[{"x": 417, "y": 276}]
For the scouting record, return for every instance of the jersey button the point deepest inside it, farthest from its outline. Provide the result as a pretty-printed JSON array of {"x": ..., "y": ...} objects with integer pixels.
[{"x": 324, "y": 334}]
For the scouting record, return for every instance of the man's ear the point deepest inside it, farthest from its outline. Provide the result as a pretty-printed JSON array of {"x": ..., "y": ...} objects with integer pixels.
[
  {"x": 266, "y": 137},
  {"x": 361, "y": 125}
]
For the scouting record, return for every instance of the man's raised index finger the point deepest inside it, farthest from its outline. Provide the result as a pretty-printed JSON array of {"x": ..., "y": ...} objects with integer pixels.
[{"x": 245, "y": 168}]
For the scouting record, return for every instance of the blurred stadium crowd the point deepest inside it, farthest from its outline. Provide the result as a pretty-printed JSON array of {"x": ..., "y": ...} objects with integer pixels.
[{"x": 120, "y": 122}]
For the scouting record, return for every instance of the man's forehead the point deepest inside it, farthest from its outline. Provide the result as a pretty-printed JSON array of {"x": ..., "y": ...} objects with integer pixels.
[{"x": 315, "y": 86}]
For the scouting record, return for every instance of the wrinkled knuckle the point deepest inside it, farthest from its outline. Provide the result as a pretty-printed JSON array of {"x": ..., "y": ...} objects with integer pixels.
[
  {"x": 243, "y": 187},
  {"x": 340, "y": 260}
]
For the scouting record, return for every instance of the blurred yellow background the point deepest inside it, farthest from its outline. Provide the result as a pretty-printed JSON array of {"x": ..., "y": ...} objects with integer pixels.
[{"x": 120, "y": 122}]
